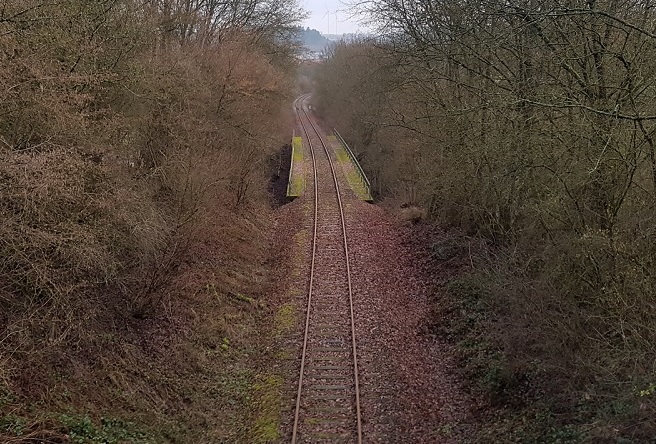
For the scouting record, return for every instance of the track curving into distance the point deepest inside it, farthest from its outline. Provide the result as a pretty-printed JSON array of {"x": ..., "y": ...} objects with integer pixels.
[{"x": 328, "y": 395}]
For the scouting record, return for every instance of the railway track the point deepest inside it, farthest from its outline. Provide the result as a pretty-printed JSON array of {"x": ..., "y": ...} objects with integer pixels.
[{"x": 328, "y": 394}]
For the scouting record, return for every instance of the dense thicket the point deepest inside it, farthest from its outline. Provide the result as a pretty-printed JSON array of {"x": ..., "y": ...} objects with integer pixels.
[
  {"x": 530, "y": 124},
  {"x": 124, "y": 127}
]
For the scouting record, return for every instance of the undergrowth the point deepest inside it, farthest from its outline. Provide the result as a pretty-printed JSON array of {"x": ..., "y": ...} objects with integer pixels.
[
  {"x": 132, "y": 216},
  {"x": 525, "y": 393},
  {"x": 185, "y": 374},
  {"x": 460, "y": 125}
]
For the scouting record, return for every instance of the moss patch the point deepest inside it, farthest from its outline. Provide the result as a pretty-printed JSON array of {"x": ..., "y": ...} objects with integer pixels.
[
  {"x": 351, "y": 170},
  {"x": 285, "y": 318},
  {"x": 268, "y": 393},
  {"x": 296, "y": 184},
  {"x": 297, "y": 149},
  {"x": 357, "y": 185},
  {"x": 342, "y": 155}
]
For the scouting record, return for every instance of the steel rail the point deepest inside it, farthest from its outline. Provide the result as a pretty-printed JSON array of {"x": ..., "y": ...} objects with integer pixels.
[
  {"x": 348, "y": 275},
  {"x": 309, "y": 298}
]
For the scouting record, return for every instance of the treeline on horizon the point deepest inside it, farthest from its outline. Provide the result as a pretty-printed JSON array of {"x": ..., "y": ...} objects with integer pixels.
[{"x": 529, "y": 128}]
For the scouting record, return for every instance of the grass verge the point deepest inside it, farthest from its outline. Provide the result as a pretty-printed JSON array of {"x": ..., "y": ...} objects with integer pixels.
[
  {"x": 352, "y": 175},
  {"x": 296, "y": 184}
]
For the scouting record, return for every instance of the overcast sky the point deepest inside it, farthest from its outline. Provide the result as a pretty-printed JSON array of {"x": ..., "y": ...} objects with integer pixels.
[{"x": 341, "y": 21}]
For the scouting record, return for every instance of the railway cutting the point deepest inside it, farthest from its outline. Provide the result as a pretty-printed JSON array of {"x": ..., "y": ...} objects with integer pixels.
[{"x": 327, "y": 404}]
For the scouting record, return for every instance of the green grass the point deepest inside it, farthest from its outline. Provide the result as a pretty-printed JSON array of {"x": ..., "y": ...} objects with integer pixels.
[
  {"x": 353, "y": 175},
  {"x": 243, "y": 298},
  {"x": 297, "y": 149},
  {"x": 357, "y": 185},
  {"x": 296, "y": 184},
  {"x": 81, "y": 429},
  {"x": 296, "y": 187},
  {"x": 268, "y": 399},
  {"x": 342, "y": 155},
  {"x": 13, "y": 425},
  {"x": 285, "y": 318},
  {"x": 267, "y": 391}
]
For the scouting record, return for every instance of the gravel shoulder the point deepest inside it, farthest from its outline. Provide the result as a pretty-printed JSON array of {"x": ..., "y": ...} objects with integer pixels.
[{"x": 409, "y": 391}]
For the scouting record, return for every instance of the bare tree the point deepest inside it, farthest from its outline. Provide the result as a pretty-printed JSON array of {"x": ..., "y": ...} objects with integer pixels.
[{"x": 530, "y": 123}]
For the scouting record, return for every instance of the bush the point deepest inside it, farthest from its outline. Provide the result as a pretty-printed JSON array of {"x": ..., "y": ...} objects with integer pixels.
[
  {"x": 455, "y": 121},
  {"x": 127, "y": 130}
]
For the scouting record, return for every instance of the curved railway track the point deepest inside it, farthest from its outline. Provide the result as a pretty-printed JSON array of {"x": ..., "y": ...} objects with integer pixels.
[{"x": 328, "y": 394}]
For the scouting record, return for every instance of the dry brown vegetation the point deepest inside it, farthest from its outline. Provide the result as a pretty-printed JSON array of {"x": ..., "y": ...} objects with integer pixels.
[
  {"x": 134, "y": 139},
  {"x": 528, "y": 127}
]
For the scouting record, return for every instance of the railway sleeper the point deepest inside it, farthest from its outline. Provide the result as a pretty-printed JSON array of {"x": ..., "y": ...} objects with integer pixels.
[
  {"x": 330, "y": 367},
  {"x": 327, "y": 376},
  {"x": 332, "y": 350},
  {"x": 332, "y": 359},
  {"x": 332, "y": 436},
  {"x": 327, "y": 421},
  {"x": 343, "y": 410},
  {"x": 330, "y": 397},
  {"x": 330, "y": 387}
]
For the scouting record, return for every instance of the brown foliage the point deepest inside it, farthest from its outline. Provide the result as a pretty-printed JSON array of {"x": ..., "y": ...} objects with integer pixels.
[
  {"x": 523, "y": 124},
  {"x": 127, "y": 129}
]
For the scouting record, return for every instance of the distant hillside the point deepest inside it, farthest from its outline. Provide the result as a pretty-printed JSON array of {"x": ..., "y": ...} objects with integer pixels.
[
  {"x": 312, "y": 39},
  {"x": 348, "y": 37}
]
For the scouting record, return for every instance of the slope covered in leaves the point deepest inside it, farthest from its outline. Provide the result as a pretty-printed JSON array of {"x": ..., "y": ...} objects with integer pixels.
[{"x": 134, "y": 139}]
